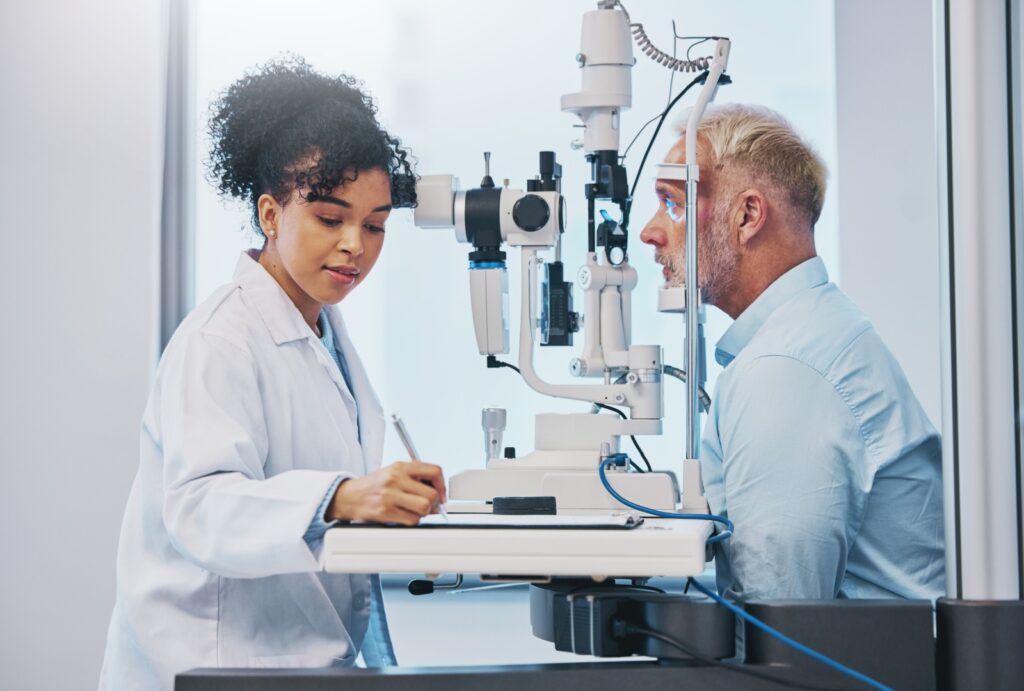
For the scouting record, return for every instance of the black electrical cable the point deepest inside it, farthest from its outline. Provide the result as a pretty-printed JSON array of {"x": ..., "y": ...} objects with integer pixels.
[
  {"x": 637, "y": 136},
  {"x": 494, "y": 362},
  {"x": 614, "y": 410},
  {"x": 635, "y": 442},
  {"x": 699, "y": 79},
  {"x": 632, "y": 629}
]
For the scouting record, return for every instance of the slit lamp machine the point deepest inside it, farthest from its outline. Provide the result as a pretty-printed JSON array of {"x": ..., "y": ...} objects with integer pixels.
[{"x": 570, "y": 448}]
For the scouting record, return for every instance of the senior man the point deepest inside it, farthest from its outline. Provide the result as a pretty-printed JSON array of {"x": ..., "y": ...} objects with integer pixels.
[{"x": 815, "y": 446}]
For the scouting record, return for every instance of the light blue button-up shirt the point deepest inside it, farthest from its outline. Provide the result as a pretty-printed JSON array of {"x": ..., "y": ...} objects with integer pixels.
[{"x": 818, "y": 451}]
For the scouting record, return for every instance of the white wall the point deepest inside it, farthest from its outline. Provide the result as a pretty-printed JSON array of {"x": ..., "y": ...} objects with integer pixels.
[
  {"x": 888, "y": 174},
  {"x": 79, "y": 198}
]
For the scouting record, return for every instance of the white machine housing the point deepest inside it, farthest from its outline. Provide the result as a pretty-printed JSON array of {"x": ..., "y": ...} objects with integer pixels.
[
  {"x": 606, "y": 61},
  {"x": 488, "y": 293}
]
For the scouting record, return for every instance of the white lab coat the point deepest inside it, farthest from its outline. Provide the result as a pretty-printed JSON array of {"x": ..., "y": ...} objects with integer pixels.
[{"x": 248, "y": 425}]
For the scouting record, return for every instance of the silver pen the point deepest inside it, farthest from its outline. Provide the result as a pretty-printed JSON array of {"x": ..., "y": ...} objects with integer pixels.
[{"x": 403, "y": 435}]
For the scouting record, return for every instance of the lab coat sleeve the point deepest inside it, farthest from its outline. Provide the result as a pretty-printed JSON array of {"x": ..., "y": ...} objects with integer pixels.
[
  {"x": 219, "y": 508},
  {"x": 793, "y": 464}
]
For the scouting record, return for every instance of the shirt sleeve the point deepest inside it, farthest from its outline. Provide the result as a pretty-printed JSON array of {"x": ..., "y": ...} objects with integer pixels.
[
  {"x": 792, "y": 466},
  {"x": 220, "y": 509},
  {"x": 378, "y": 650},
  {"x": 318, "y": 526}
]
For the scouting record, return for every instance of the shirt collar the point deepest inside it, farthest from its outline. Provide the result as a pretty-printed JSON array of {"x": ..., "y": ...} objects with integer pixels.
[
  {"x": 327, "y": 333},
  {"x": 803, "y": 276},
  {"x": 279, "y": 313}
]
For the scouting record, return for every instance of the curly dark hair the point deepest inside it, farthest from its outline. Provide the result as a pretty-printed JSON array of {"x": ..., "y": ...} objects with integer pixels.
[{"x": 284, "y": 126}]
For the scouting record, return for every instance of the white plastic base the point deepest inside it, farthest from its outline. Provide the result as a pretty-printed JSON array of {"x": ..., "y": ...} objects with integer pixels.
[{"x": 573, "y": 490}]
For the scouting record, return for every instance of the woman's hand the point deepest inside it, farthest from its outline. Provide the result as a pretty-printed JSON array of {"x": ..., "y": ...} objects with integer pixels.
[{"x": 400, "y": 493}]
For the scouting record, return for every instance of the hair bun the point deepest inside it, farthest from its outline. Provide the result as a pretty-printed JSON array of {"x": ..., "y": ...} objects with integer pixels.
[{"x": 263, "y": 125}]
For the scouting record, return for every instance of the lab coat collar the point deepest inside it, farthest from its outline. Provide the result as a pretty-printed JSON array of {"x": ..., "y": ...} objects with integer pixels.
[
  {"x": 281, "y": 316},
  {"x": 279, "y": 313},
  {"x": 285, "y": 323},
  {"x": 803, "y": 276}
]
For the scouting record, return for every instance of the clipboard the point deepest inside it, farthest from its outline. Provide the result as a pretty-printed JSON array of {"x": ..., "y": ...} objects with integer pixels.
[{"x": 487, "y": 521}]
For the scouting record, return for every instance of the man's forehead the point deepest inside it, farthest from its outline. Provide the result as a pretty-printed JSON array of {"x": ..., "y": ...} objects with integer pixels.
[
  {"x": 670, "y": 172},
  {"x": 677, "y": 154}
]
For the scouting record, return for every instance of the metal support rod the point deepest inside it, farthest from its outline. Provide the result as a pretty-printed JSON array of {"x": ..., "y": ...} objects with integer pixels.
[
  {"x": 694, "y": 336},
  {"x": 691, "y": 361}
]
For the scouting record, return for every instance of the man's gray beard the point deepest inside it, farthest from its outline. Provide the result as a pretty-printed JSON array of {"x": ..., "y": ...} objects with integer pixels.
[{"x": 716, "y": 260}]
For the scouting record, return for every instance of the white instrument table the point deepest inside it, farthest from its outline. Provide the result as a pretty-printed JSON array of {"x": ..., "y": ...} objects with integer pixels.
[{"x": 658, "y": 547}]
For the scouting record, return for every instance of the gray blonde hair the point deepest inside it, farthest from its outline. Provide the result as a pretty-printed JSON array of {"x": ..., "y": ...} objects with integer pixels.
[{"x": 763, "y": 144}]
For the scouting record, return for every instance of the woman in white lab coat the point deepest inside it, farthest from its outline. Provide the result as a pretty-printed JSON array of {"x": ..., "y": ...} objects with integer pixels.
[{"x": 262, "y": 426}]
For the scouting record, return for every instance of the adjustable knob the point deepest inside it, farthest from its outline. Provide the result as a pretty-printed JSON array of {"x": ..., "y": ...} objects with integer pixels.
[
  {"x": 492, "y": 420},
  {"x": 421, "y": 587},
  {"x": 531, "y": 213}
]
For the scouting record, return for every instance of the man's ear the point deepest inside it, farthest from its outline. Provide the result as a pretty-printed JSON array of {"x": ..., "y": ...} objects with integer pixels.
[{"x": 750, "y": 214}]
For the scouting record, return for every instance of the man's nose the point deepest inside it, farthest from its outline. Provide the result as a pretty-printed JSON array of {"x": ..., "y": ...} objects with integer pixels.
[{"x": 653, "y": 234}]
